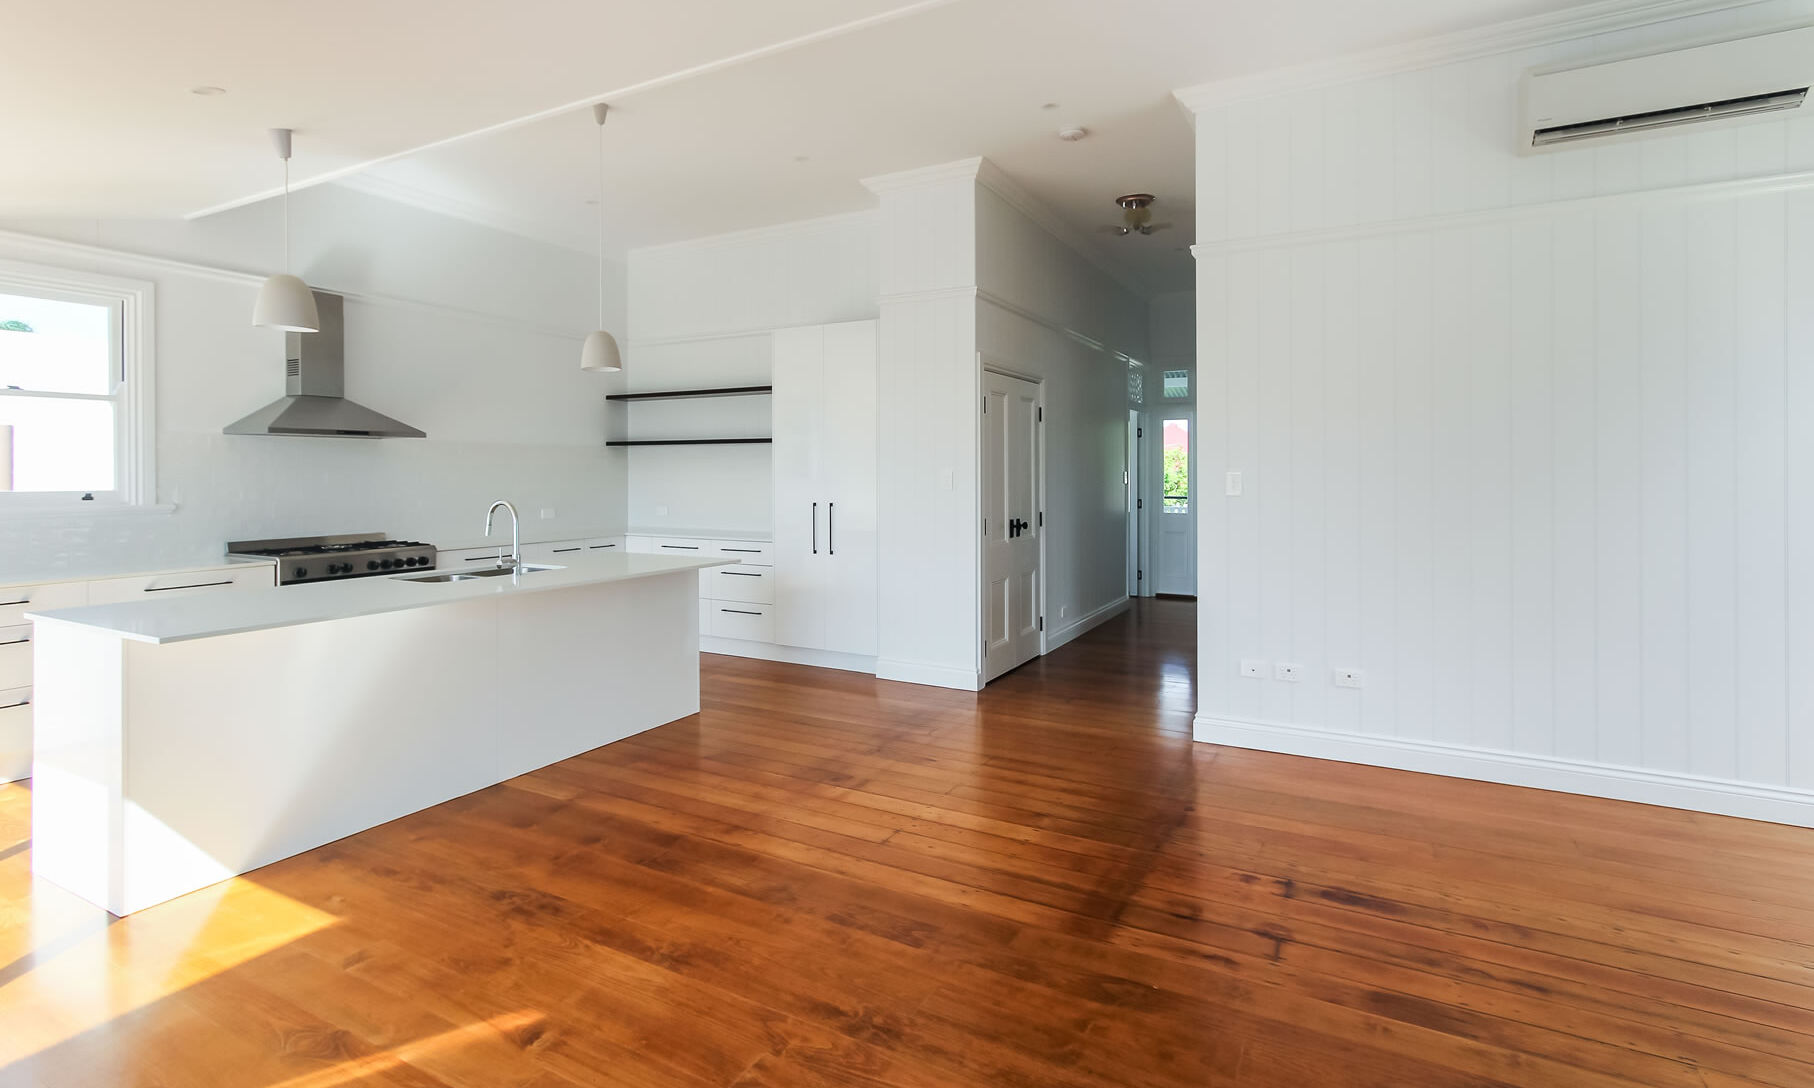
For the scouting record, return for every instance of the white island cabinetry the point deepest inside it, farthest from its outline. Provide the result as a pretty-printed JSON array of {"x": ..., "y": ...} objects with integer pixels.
[
  {"x": 180, "y": 742},
  {"x": 16, "y": 633}
]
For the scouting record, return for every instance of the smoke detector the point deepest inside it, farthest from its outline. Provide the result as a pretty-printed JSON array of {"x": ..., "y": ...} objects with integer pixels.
[{"x": 1070, "y": 134}]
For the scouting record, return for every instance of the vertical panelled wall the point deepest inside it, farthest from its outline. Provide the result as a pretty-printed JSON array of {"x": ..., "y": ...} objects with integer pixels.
[
  {"x": 927, "y": 431},
  {"x": 1528, "y": 440},
  {"x": 1049, "y": 315}
]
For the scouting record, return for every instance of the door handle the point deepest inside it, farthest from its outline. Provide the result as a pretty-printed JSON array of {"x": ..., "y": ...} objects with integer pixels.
[
  {"x": 815, "y": 528},
  {"x": 831, "y": 534}
]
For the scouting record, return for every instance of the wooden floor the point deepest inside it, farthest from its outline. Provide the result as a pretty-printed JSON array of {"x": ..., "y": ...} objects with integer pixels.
[{"x": 827, "y": 880}]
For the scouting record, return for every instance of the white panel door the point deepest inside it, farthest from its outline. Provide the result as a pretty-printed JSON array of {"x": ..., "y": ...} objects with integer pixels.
[
  {"x": 1011, "y": 530},
  {"x": 1175, "y": 538},
  {"x": 848, "y": 472},
  {"x": 799, "y": 515}
]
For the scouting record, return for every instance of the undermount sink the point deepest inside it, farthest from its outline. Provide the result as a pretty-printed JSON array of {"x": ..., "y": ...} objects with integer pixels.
[{"x": 471, "y": 575}]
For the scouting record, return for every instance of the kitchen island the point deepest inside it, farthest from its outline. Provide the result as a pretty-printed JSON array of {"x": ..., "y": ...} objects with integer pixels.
[{"x": 181, "y": 742}]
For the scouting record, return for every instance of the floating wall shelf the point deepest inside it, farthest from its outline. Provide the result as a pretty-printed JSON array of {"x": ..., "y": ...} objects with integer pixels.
[
  {"x": 680, "y": 394},
  {"x": 688, "y": 441}
]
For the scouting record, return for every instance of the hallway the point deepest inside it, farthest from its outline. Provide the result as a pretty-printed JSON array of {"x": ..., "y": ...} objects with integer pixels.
[{"x": 826, "y": 880}]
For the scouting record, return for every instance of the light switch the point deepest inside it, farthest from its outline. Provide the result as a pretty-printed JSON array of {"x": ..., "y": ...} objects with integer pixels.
[
  {"x": 1287, "y": 671},
  {"x": 1252, "y": 667},
  {"x": 1234, "y": 483}
]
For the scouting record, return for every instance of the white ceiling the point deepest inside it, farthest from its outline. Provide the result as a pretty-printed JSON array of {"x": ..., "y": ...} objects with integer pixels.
[{"x": 726, "y": 115}]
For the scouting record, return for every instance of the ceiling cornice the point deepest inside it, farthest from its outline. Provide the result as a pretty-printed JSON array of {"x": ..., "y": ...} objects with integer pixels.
[
  {"x": 924, "y": 177},
  {"x": 1586, "y": 20},
  {"x": 991, "y": 177}
]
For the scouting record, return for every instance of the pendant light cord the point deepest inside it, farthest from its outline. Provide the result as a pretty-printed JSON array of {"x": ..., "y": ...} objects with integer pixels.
[
  {"x": 286, "y": 214},
  {"x": 601, "y": 222}
]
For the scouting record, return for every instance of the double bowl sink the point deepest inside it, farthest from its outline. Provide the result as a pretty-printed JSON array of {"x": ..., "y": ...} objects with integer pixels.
[{"x": 474, "y": 575}]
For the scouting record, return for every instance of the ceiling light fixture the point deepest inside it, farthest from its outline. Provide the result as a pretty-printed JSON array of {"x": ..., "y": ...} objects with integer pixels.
[
  {"x": 285, "y": 302},
  {"x": 1070, "y": 134},
  {"x": 600, "y": 352}
]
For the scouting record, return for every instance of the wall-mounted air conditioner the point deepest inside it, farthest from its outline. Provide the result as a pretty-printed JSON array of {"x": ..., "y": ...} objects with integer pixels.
[{"x": 1623, "y": 99}]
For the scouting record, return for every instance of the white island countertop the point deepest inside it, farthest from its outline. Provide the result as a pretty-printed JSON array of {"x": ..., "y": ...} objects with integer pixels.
[{"x": 215, "y": 614}]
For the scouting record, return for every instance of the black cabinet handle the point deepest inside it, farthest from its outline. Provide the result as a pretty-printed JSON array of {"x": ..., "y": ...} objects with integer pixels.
[
  {"x": 197, "y": 585},
  {"x": 815, "y": 528},
  {"x": 13, "y": 706},
  {"x": 741, "y": 573},
  {"x": 9, "y": 604},
  {"x": 16, "y": 641},
  {"x": 831, "y": 534},
  {"x": 682, "y": 547},
  {"x": 745, "y": 551},
  {"x": 558, "y": 551},
  {"x": 739, "y": 612},
  {"x": 596, "y": 547},
  {"x": 481, "y": 559}
]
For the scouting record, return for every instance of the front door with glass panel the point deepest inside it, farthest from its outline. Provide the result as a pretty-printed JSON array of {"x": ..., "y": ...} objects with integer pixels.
[{"x": 1175, "y": 535}]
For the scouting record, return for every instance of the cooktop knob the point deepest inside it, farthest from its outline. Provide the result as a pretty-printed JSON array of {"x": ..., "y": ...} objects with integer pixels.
[
  {"x": 302, "y": 572},
  {"x": 388, "y": 563},
  {"x": 371, "y": 564}
]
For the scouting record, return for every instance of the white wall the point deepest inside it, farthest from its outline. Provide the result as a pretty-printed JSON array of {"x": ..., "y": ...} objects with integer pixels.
[
  {"x": 466, "y": 332},
  {"x": 700, "y": 313},
  {"x": 1525, "y": 438},
  {"x": 1047, "y": 314}
]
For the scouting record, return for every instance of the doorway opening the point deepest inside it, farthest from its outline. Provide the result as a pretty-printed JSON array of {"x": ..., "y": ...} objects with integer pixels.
[{"x": 1175, "y": 536}]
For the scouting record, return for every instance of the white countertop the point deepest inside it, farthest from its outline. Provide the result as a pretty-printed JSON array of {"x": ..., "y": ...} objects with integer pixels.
[
  {"x": 207, "y": 615},
  {"x": 13, "y": 578},
  {"x": 705, "y": 534}
]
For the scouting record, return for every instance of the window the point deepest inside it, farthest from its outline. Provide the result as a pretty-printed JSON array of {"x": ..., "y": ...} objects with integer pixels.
[
  {"x": 1177, "y": 466},
  {"x": 75, "y": 397},
  {"x": 1177, "y": 385}
]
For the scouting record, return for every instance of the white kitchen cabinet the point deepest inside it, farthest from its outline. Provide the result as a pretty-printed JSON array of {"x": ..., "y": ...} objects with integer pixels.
[
  {"x": 145, "y": 587},
  {"x": 825, "y": 487}
]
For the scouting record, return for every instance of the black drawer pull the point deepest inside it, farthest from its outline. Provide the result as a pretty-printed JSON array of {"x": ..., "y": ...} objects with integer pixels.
[
  {"x": 16, "y": 641},
  {"x": 739, "y": 612},
  {"x": 682, "y": 547},
  {"x": 15, "y": 706},
  {"x": 558, "y": 551},
  {"x": 595, "y": 547},
  {"x": 196, "y": 585},
  {"x": 481, "y": 559},
  {"x": 745, "y": 551},
  {"x": 742, "y": 573},
  {"x": 9, "y": 604}
]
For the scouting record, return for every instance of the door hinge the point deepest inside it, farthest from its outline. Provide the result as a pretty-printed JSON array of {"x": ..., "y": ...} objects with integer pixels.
[
  {"x": 1041, "y": 516},
  {"x": 1139, "y": 576},
  {"x": 1041, "y": 417},
  {"x": 1042, "y": 623},
  {"x": 1139, "y": 432},
  {"x": 1140, "y": 504},
  {"x": 985, "y": 406}
]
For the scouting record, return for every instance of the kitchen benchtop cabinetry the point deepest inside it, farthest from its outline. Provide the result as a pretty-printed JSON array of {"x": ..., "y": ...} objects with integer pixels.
[{"x": 16, "y": 633}]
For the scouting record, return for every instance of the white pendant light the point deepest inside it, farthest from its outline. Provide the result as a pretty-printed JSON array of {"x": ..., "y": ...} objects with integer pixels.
[
  {"x": 600, "y": 352},
  {"x": 285, "y": 302}
]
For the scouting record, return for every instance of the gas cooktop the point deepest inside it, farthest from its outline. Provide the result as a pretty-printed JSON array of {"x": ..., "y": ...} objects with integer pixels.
[{"x": 321, "y": 558}]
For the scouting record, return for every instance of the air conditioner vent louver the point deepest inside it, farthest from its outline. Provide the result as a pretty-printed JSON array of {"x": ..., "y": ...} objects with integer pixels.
[
  {"x": 1715, "y": 83},
  {"x": 1681, "y": 115}
]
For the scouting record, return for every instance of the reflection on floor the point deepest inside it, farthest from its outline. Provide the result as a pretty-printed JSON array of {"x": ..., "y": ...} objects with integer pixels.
[{"x": 828, "y": 880}]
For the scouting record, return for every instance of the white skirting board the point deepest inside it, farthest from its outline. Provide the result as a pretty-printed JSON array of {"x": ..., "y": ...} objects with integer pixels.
[
  {"x": 1087, "y": 623},
  {"x": 1776, "y": 804},
  {"x": 792, "y": 655},
  {"x": 921, "y": 672}
]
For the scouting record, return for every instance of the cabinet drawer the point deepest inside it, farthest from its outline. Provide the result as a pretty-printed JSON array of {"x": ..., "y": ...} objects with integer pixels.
[
  {"x": 739, "y": 619},
  {"x": 16, "y": 602},
  {"x": 604, "y": 545},
  {"x": 456, "y": 558},
  {"x": 15, "y": 658},
  {"x": 738, "y": 583},
  {"x": 749, "y": 551},
  {"x": 181, "y": 584},
  {"x": 15, "y": 734}
]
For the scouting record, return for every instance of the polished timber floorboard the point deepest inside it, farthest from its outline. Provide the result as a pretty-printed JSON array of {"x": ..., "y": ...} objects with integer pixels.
[{"x": 824, "y": 880}]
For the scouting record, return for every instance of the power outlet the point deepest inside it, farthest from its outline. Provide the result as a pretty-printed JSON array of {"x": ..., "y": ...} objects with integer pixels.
[
  {"x": 1252, "y": 667},
  {"x": 1287, "y": 671},
  {"x": 1350, "y": 678}
]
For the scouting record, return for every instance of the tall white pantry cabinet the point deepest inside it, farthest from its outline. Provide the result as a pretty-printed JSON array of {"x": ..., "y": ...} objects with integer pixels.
[{"x": 825, "y": 487}]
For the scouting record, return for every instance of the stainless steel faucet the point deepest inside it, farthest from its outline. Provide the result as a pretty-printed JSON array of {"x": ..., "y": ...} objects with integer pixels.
[{"x": 516, "y": 538}]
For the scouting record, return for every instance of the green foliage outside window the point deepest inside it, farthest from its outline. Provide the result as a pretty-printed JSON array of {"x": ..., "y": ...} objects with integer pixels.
[{"x": 1177, "y": 479}]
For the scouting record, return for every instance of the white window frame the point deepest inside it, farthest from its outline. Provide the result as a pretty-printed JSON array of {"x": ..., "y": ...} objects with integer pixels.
[{"x": 134, "y": 395}]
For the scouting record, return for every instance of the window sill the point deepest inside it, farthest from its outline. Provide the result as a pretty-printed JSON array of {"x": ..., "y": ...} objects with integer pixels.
[{"x": 85, "y": 510}]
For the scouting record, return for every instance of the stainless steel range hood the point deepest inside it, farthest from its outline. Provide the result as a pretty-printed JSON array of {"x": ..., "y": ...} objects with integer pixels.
[{"x": 315, "y": 379}]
